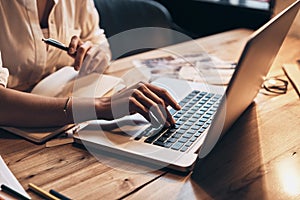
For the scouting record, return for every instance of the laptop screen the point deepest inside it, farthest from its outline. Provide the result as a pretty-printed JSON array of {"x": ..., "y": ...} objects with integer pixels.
[{"x": 254, "y": 64}]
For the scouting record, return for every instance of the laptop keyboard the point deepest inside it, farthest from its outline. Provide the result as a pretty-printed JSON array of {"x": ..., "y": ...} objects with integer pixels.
[{"x": 192, "y": 120}]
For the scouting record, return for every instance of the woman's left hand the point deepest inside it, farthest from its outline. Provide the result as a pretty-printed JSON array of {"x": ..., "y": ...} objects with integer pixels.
[{"x": 88, "y": 57}]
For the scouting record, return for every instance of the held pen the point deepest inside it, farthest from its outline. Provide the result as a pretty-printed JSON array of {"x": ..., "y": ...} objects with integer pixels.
[{"x": 56, "y": 44}]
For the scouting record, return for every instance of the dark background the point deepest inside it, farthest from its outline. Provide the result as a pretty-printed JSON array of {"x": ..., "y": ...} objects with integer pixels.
[{"x": 205, "y": 17}]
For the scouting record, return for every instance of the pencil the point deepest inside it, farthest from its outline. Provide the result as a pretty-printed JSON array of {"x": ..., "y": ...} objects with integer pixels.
[
  {"x": 41, "y": 192},
  {"x": 59, "y": 195},
  {"x": 12, "y": 192}
]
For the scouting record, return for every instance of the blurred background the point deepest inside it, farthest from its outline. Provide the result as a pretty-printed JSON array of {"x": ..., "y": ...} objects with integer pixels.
[
  {"x": 295, "y": 29},
  {"x": 205, "y": 17},
  {"x": 193, "y": 18}
]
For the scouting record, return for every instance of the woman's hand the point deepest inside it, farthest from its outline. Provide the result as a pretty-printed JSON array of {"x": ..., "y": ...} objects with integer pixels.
[
  {"x": 88, "y": 57},
  {"x": 148, "y": 100}
]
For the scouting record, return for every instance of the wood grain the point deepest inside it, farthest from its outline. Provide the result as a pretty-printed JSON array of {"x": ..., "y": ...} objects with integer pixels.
[{"x": 257, "y": 159}]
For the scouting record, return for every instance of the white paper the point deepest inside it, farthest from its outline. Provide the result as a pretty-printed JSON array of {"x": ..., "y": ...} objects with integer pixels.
[
  {"x": 54, "y": 84},
  {"x": 65, "y": 82},
  {"x": 7, "y": 178}
]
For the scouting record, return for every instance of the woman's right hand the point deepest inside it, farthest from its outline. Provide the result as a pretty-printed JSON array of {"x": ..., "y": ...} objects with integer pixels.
[
  {"x": 143, "y": 98},
  {"x": 88, "y": 57}
]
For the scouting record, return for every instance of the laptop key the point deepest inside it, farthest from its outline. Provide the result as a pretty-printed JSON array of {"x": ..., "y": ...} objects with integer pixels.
[
  {"x": 198, "y": 134},
  {"x": 159, "y": 143},
  {"x": 187, "y": 135},
  {"x": 168, "y": 144},
  {"x": 188, "y": 144},
  {"x": 145, "y": 133},
  {"x": 162, "y": 139},
  {"x": 195, "y": 127},
  {"x": 176, "y": 136},
  {"x": 193, "y": 139},
  {"x": 183, "y": 140},
  {"x": 184, "y": 148},
  {"x": 155, "y": 135},
  {"x": 172, "y": 140},
  {"x": 177, "y": 145},
  {"x": 152, "y": 138},
  {"x": 172, "y": 111},
  {"x": 205, "y": 125}
]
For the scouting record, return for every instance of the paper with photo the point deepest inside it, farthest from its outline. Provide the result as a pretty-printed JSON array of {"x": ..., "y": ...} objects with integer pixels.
[
  {"x": 7, "y": 178},
  {"x": 199, "y": 67}
]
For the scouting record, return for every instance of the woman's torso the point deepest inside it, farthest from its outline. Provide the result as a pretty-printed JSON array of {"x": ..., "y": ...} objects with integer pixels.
[{"x": 23, "y": 52}]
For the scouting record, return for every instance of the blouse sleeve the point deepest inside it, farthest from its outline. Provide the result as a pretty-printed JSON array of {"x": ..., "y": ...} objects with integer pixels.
[
  {"x": 3, "y": 73},
  {"x": 89, "y": 20}
]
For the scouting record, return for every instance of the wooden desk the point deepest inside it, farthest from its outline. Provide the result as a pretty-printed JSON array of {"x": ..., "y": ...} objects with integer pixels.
[{"x": 258, "y": 158}]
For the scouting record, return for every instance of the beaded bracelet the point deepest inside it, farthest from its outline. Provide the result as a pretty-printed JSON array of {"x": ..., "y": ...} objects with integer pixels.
[{"x": 65, "y": 109}]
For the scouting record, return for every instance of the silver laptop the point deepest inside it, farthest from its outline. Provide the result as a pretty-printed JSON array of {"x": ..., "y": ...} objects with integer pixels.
[{"x": 207, "y": 112}]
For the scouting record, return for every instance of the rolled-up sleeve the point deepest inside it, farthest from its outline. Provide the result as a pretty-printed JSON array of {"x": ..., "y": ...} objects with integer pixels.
[
  {"x": 3, "y": 73},
  {"x": 91, "y": 31}
]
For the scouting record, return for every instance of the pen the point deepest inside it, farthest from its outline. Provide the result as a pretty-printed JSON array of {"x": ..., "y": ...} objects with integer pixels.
[
  {"x": 42, "y": 192},
  {"x": 59, "y": 195},
  {"x": 56, "y": 44},
  {"x": 12, "y": 192}
]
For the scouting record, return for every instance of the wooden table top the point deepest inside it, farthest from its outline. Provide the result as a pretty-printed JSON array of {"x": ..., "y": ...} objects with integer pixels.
[{"x": 259, "y": 157}]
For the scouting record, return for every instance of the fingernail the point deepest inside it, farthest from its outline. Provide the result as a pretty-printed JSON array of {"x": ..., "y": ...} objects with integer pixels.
[
  {"x": 173, "y": 121},
  {"x": 167, "y": 124},
  {"x": 71, "y": 50}
]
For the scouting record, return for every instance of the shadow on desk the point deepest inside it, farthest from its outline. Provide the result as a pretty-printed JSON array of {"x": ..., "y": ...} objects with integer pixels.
[{"x": 233, "y": 168}]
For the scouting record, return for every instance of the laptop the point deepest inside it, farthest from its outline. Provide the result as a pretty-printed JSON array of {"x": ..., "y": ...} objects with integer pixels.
[{"x": 207, "y": 112}]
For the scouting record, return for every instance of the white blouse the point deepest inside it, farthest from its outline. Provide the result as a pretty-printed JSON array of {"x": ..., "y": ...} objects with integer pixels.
[
  {"x": 27, "y": 58},
  {"x": 3, "y": 74}
]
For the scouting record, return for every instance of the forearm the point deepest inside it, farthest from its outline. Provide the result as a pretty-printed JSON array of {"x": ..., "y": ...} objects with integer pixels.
[
  {"x": 22, "y": 109},
  {"x": 29, "y": 110}
]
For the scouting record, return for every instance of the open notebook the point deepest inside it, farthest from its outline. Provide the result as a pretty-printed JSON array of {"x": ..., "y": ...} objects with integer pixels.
[{"x": 60, "y": 84}]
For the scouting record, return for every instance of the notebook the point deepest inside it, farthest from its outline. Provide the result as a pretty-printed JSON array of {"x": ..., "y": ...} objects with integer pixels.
[
  {"x": 61, "y": 84},
  {"x": 7, "y": 178},
  {"x": 134, "y": 138}
]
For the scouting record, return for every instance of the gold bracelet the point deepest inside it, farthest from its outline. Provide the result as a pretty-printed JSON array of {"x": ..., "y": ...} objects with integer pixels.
[{"x": 65, "y": 109}]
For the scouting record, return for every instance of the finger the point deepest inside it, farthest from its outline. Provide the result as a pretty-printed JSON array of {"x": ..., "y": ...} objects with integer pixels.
[
  {"x": 102, "y": 62},
  {"x": 170, "y": 117},
  {"x": 148, "y": 93},
  {"x": 94, "y": 61},
  {"x": 101, "y": 66},
  {"x": 156, "y": 108},
  {"x": 165, "y": 95},
  {"x": 74, "y": 43},
  {"x": 87, "y": 67},
  {"x": 80, "y": 54},
  {"x": 136, "y": 106}
]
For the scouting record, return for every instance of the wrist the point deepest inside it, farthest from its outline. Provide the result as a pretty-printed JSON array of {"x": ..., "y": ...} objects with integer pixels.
[
  {"x": 103, "y": 108},
  {"x": 67, "y": 109}
]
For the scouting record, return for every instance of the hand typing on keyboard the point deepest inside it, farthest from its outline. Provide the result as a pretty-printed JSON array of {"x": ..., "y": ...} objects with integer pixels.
[
  {"x": 144, "y": 98},
  {"x": 198, "y": 109}
]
